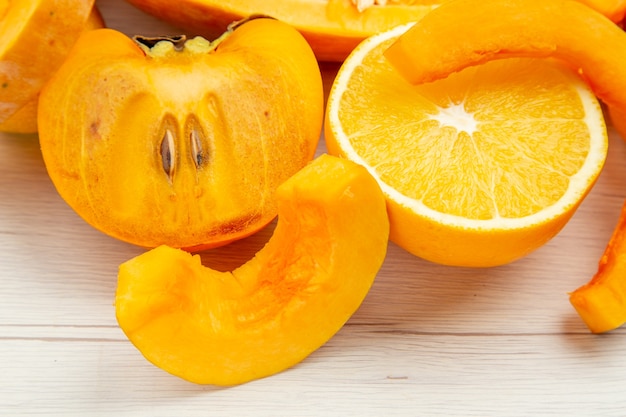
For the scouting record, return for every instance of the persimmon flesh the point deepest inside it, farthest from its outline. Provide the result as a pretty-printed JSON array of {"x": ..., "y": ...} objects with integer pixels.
[
  {"x": 462, "y": 33},
  {"x": 181, "y": 142},
  {"x": 333, "y": 27},
  {"x": 35, "y": 38},
  {"x": 227, "y": 328}
]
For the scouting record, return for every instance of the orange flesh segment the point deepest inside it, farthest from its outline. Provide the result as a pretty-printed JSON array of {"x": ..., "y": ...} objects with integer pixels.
[{"x": 448, "y": 39}]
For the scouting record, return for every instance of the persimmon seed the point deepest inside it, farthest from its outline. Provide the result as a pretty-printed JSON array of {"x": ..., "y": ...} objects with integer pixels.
[
  {"x": 167, "y": 153},
  {"x": 196, "y": 148}
]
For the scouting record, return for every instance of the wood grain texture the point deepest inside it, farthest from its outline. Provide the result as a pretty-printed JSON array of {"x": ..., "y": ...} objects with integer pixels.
[{"x": 428, "y": 340}]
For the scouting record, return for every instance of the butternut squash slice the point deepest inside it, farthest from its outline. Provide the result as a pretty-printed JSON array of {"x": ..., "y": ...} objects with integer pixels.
[
  {"x": 463, "y": 33},
  {"x": 227, "y": 328},
  {"x": 35, "y": 38},
  {"x": 601, "y": 303}
]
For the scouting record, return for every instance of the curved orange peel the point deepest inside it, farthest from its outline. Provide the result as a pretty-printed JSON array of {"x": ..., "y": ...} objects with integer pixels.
[{"x": 462, "y": 33}]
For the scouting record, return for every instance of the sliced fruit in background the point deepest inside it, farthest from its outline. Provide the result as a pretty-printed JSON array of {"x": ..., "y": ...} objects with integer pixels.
[
  {"x": 601, "y": 303},
  {"x": 479, "y": 169},
  {"x": 228, "y": 328},
  {"x": 35, "y": 38},
  {"x": 458, "y": 35},
  {"x": 180, "y": 142},
  {"x": 333, "y": 27}
]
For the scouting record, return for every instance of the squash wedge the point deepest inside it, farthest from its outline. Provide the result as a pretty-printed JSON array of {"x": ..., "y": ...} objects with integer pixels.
[
  {"x": 463, "y": 33},
  {"x": 227, "y": 328}
]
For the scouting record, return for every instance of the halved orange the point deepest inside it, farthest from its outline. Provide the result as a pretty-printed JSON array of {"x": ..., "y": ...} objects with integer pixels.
[{"x": 479, "y": 169}]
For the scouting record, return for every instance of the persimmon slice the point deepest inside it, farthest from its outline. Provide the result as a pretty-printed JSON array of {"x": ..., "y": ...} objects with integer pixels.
[
  {"x": 463, "y": 33},
  {"x": 332, "y": 27},
  {"x": 35, "y": 38},
  {"x": 227, "y": 328}
]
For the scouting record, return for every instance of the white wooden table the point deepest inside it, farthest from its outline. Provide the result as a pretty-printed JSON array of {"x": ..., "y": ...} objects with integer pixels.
[{"x": 428, "y": 340}]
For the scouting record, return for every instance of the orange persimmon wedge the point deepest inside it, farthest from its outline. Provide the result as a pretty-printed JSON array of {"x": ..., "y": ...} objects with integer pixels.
[
  {"x": 462, "y": 33},
  {"x": 35, "y": 38},
  {"x": 601, "y": 303}
]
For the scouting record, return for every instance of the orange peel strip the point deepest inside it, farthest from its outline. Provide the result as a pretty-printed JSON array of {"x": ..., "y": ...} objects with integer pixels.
[{"x": 463, "y": 33}]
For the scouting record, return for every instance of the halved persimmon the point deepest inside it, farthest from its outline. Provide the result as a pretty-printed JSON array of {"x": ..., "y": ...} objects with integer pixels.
[
  {"x": 35, "y": 38},
  {"x": 181, "y": 142},
  {"x": 226, "y": 328}
]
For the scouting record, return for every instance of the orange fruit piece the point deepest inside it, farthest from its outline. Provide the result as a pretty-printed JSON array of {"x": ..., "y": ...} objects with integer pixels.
[
  {"x": 181, "y": 142},
  {"x": 35, "y": 38},
  {"x": 332, "y": 27},
  {"x": 231, "y": 327},
  {"x": 461, "y": 33},
  {"x": 478, "y": 169},
  {"x": 601, "y": 302}
]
